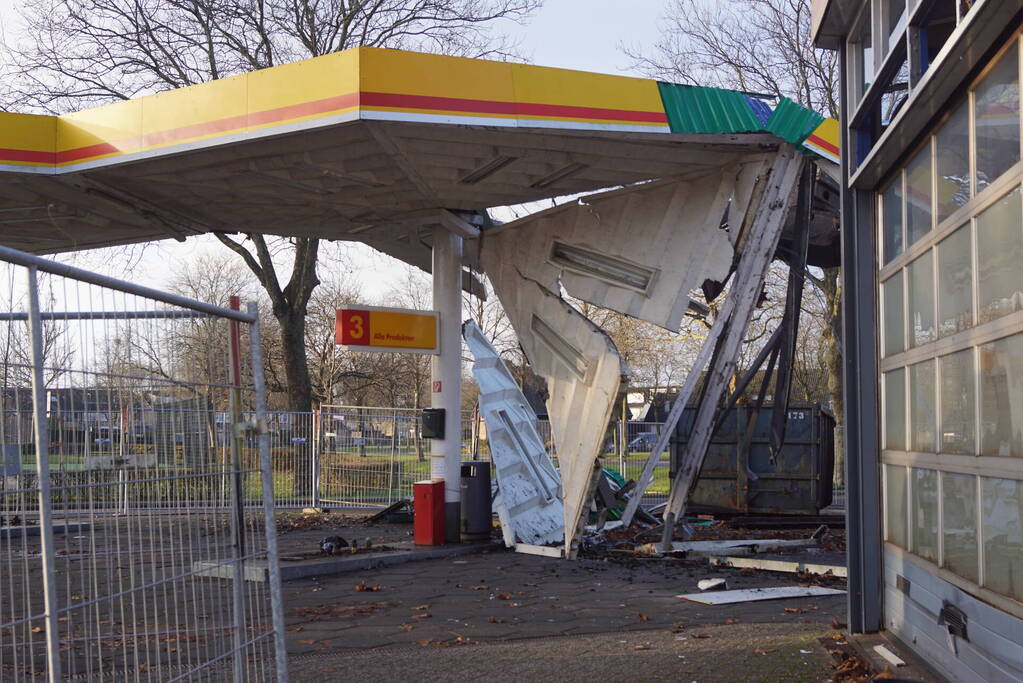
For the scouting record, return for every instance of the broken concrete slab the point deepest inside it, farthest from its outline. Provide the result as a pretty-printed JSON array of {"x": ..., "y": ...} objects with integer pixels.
[{"x": 755, "y": 594}]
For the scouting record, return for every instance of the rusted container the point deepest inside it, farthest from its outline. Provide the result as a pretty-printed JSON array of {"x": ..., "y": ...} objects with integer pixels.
[{"x": 733, "y": 479}]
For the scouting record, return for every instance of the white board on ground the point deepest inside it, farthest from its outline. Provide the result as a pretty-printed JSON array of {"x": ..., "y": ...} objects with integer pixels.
[
  {"x": 754, "y": 594},
  {"x": 791, "y": 567},
  {"x": 759, "y": 543}
]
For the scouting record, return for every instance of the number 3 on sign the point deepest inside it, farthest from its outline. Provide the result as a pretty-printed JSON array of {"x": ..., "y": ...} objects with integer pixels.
[
  {"x": 353, "y": 327},
  {"x": 357, "y": 323}
]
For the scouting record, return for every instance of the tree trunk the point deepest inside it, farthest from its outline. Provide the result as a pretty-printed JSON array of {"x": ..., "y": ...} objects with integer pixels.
[
  {"x": 832, "y": 288},
  {"x": 296, "y": 365}
]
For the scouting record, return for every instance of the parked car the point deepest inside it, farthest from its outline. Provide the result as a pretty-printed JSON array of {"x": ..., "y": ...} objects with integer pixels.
[{"x": 643, "y": 442}]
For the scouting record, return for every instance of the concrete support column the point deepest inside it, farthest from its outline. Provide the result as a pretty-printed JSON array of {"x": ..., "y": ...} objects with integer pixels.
[{"x": 446, "y": 374}]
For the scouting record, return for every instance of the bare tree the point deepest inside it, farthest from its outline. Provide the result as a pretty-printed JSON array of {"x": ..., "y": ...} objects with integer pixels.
[
  {"x": 80, "y": 52},
  {"x": 759, "y": 46}
]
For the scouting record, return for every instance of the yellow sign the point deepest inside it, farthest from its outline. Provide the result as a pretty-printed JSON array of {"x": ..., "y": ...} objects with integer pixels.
[{"x": 370, "y": 328}]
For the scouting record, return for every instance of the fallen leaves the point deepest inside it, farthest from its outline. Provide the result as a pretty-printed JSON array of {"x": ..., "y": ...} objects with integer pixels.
[
  {"x": 762, "y": 651},
  {"x": 364, "y": 587},
  {"x": 327, "y": 611},
  {"x": 420, "y": 608},
  {"x": 459, "y": 640},
  {"x": 643, "y": 617},
  {"x": 405, "y": 627},
  {"x": 497, "y": 620},
  {"x": 641, "y": 646},
  {"x": 480, "y": 588},
  {"x": 836, "y": 624},
  {"x": 701, "y": 635},
  {"x": 503, "y": 596},
  {"x": 794, "y": 610},
  {"x": 422, "y": 615}
]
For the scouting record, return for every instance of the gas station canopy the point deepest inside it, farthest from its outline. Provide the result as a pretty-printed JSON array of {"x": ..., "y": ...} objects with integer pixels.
[{"x": 370, "y": 145}]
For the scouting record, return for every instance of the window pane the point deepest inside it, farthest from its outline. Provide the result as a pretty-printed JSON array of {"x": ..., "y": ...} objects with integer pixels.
[
  {"x": 1001, "y": 395},
  {"x": 921, "y": 300},
  {"x": 1003, "y": 537},
  {"x": 957, "y": 403},
  {"x": 955, "y": 282},
  {"x": 959, "y": 523},
  {"x": 997, "y": 120},
  {"x": 863, "y": 58},
  {"x": 895, "y": 93},
  {"x": 925, "y": 513},
  {"x": 921, "y": 399},
  {"x": 1000, "y": 258},
  {"x": 894, "y": 315},
  {"x": 953, "y": 162},
  {"x": 895, "y": 10},
  {"x": 891, "y": 215},
  {"x": 895, "y": 504},
  {"x": 918, "y": 195},
  {"x": 895, "y": 410}
]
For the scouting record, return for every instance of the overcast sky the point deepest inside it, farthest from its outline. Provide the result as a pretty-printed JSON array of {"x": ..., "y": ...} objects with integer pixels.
[{"x": 575, "y": 34}]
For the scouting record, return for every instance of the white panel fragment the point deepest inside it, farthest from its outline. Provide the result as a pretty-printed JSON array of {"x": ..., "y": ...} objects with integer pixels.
[
  {"x": 529, "y": 484},
  {"x": 889, "y": 656},
  {"x": 754, "y": 594},
  {"x": 583, "y": 372},
  {"x": 640, "y": 250}
]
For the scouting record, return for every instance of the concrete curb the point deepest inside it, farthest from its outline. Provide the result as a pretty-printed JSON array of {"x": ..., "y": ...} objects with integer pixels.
[
  {"x": 33, "y": 530},
  {"x": 292, "y": 571}
]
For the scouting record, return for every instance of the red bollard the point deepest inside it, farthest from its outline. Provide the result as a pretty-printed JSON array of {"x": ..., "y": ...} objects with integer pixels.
[{"x": 428, "y": 520}]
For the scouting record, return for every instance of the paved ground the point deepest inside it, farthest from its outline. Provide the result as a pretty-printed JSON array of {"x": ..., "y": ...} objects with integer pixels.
[{"x": 504, "y": 616}]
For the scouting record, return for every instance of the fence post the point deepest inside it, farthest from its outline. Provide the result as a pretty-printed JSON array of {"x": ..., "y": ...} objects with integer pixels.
[
  {"x": 237, "y": 504},
  {"x": 43, "y": 471},
  {"x": 317, "y": 436},
  {"x": 269, "y": 521}
]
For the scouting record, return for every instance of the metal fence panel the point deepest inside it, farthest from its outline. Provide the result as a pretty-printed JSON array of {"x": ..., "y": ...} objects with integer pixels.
[{"x": 131, "y": 510}]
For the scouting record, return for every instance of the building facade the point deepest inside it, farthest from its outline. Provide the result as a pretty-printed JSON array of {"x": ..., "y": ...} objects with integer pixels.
[{"x": 933, "y": 283}]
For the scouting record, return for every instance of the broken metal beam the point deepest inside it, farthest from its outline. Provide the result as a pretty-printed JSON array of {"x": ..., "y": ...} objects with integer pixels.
[{"x": 737, "y": 313}]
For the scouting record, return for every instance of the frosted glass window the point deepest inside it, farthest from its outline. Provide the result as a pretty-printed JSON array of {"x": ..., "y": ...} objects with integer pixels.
[
  {"x": 1001, "y": 397},
  {"x": 997, "y": 120},
  {"x": 894, "y": 315},
  {"x": 921, "y": 400},
  {"x": 959, "y": 523},
  {"x": 955, "y": 282},
  {"x": 891, "y": 217},
  {"x": 895, "y": 410},
  {"x": 957, "y": 403},
  {"x": 1003, "y": 536},
  {"x": 920, "y": 278},
  {"x": 895, "y": 505},
  {"x": 1000, "y": 258},
  {"x": 953, "y": 163},
  {"x": 918, "y": 195},
  {"x": 925, "y": 513}
]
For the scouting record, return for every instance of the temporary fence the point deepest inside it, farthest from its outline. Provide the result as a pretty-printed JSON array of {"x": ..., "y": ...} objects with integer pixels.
[{"x": 136, "y": 497}]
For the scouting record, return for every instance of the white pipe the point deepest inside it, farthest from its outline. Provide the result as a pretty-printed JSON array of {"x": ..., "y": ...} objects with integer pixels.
[{"x": 446, "y": 373}]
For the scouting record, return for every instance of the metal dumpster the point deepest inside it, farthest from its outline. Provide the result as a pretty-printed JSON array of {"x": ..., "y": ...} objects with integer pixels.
[{"x": 799, "y": 482}]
